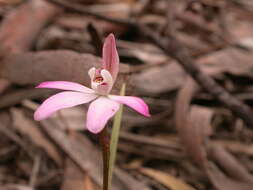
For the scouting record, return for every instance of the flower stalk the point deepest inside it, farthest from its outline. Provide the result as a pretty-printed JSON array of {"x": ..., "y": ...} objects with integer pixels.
[{"x": 105, "y": 145}]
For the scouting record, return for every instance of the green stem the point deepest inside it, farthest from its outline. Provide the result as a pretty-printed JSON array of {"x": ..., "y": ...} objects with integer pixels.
[
  {"x": 105, "y": 143},
  {"x": 115, "y": 137}
]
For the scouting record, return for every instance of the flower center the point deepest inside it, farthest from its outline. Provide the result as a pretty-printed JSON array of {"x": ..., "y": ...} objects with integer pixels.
[{"x": 98, "y": 79}]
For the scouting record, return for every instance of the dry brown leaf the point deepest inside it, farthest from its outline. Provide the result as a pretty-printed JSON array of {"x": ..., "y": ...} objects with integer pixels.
[
  {"x": 17, "y": 96},
  {"x": 29, "y": 128},
  {"x": 194, "y": 126},
  {"x": 49, "y": 65},
  {"x": 222, "y": 182},
  {"x": 88, "y": 184},
  {"x": 235, "y": 147},
  {"x": 197, "y": 132},
  {"x": 75, "y": 177},
  {"x": 171, "y": 77},
  {"x": 80, "y": 150},
  {"x": 231, "y": 60},
  {"x": 193, "y": 123},
  {"x": 116, "y": 1},
  {"x": 147, "y": 53},
  {"x": 230, "y": 164},
  {"x": 52, "y": 65},
  {"x": 167, "y": 180},
  {"x": 71, "y": 118},
  {"x": 10, "y": 2},
  {"x": 34, "y": 15},
  {"x": 128, "y": 182},
  {"x": 4, "y": 84},
  {"x": 68, "y": 119}
]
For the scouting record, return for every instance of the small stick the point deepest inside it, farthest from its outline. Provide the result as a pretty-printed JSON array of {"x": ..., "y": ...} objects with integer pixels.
[
  {"x": 35, "y": 171},
  {"x": 95, "y": 38}
]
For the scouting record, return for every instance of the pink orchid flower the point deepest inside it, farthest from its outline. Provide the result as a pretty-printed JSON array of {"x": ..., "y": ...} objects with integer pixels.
[{"x": 103, "y": 106}]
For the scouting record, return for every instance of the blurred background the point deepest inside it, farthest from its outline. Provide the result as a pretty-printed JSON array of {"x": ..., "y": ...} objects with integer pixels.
[{"x": 190, "y": 60}]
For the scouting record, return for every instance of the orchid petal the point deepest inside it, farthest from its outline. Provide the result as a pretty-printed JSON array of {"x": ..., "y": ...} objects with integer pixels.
[
  {"x": 110, "y": 56},
  {"x": 92, "y": 72},
  {"x": 107, "y": 78},
  {"x": 65, "y": 85},
  {"x": 134, "y": 102},
  {"x": 101, "y": 87},
  {"x": 99, "y": 112},
  {"x": 61, "y": 100}
]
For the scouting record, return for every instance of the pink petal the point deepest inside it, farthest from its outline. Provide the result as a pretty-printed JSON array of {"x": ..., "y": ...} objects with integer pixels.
[
  {"x": 65, "y": 85},
  {"x": 102, "y": 87},
  {"x": 60, "y": 101},
  {"x": 134, "y": 102},
  {"x": 99, "y": 112},
  {"x": 110, "y": 56}
]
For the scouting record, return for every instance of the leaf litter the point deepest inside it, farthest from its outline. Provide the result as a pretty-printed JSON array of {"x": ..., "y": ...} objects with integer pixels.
[{"x": 191, "y": 142}]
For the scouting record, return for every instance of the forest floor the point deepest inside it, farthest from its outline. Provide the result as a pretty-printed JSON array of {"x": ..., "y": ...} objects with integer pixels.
[{"x": 191, "y": 61}]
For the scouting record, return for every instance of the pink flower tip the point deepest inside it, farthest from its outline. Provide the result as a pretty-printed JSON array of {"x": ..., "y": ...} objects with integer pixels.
[
  {"x": 147, "y": 114},
  {"x": 145, "y": 110},
  {"x": 39, "y": 85},
  {"x": 111, "y": 35},
  {"x": 110, "y": 56},
  {"x": 36, "y": 117}
]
